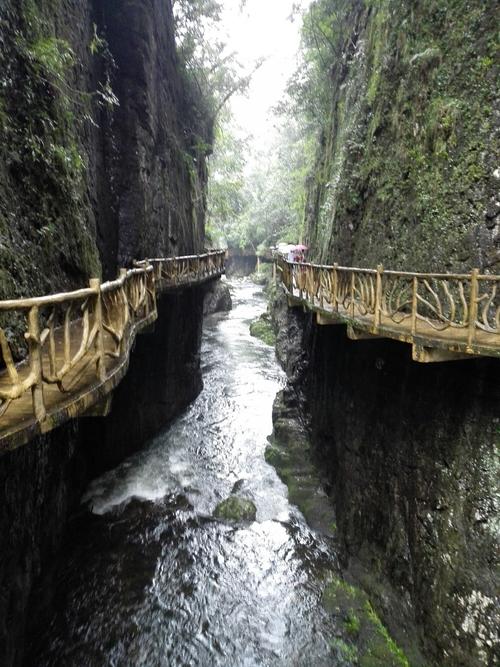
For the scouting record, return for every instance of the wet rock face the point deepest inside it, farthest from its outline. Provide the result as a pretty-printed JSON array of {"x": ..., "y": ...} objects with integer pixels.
[
  {"x": 289, "y": 452},
  {"x": 158, "y": 171},
  {"x": 409, "y": 450},
  {"x": 290, "y": 326},
  {"x": 107, "y": 168},
  {"x": 164, "y": 376},
  {"x": 217, "y": 298},
  {"x": 39, "y": 485}
]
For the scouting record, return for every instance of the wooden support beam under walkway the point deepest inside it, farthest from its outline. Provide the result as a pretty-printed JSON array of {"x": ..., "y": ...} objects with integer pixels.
[{"x": 75, "y": 346}]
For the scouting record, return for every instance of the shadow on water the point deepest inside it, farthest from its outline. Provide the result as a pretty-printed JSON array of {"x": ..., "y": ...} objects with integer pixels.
[{"x": 150, "y": 578}]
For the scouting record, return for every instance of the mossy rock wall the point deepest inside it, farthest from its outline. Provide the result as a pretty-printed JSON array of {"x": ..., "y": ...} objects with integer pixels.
[
  {"x": 406, "y": 172},
  {"x": 101, "y": 146}
]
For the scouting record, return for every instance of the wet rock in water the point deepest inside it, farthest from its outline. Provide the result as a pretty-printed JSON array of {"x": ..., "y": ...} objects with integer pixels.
[
  {"x": 289, "y": 453},
  {"x": 362, "y": 638},
  {"x": 235, "y": 508},
  {"x": 259, "y": 278},
  {"x": 238, "y": 485},
  {"x": 262, "y": 329},
  {"x": 217, "y": 298}
]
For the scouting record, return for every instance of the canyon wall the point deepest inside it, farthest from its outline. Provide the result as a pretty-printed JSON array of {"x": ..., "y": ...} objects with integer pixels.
[
  {"x": 407, "y": 171},
  {"x": 406, "y": 175}
]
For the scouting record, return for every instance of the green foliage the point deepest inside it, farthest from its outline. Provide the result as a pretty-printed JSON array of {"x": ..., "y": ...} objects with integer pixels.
[
  {"x": 226, "y": 200},
  {"x": 264, "y": 203},
  {"x": 324, "y": 34},
  {"x": 212, "y": 73},
  {"x": 97, "y": 44},
  {"x": 53, "y": 55},
  {"x": 352, "y": 624}
]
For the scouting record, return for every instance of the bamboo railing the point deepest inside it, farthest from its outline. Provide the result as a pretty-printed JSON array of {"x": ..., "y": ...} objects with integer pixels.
[
  {"x": 74, "y": 340},
  {"x": 460, "y": 312}
]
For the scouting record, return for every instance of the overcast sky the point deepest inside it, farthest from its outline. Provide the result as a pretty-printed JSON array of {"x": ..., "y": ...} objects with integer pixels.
[{"x": 262, "y": 30}]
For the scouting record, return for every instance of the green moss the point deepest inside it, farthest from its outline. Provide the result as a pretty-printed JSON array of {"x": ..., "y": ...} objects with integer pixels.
[
  {"x": 378, "y": 43},
  {"x": 360, "y": 624},
  {"x": 352, "y": 624},
  {"x": 41, "y": 122},
  {"x": 344, "y": 651},
  {"x": 383, "y": 646},
  {"x": 235, "y": 508},
  {"x": 277, "y": 458},
  {"x": 262, "y": 328},
  {"x": 409, "y": 147}
]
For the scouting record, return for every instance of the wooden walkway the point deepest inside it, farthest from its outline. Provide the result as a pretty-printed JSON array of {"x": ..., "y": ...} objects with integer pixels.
[
  {"x": 444, "y": 317},
  {"x": 76, "y": 345}
]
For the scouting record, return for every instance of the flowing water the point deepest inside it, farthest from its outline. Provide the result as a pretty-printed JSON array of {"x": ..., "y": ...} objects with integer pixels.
[{"x": 152, "y": 579}]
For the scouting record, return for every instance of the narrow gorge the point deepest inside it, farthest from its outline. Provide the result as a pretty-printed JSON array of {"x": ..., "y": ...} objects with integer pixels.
[{"x": 292, "y": 464}]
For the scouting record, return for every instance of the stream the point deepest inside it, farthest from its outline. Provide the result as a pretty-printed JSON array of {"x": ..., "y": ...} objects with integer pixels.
[{"x": 150, "y": 578}]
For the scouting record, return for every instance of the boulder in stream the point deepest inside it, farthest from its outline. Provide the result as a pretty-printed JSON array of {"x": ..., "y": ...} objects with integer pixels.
[
  {"x": 262, "y": 328},
  {"x": 235, "y": 508},
  {"x": 217, "y": 298}
]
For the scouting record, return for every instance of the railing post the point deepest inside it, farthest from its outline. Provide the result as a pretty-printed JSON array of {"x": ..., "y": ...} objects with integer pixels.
[
  {"x": 152, "y": 285},
  {"x": 35, "y": 355},
  {"x": 414, "y": 306},
  {"x": 321, "y": 295},
  {"x": 95, "y": 284},
  {"x": 353, "y": 284},
  {"x": 335, "y": 303},
  {"x": 124, "y": 315},
  {"x": 378, "y": 299},
  {"x": 147, "y": 286},
  {"x": 474, "y": 290}
]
